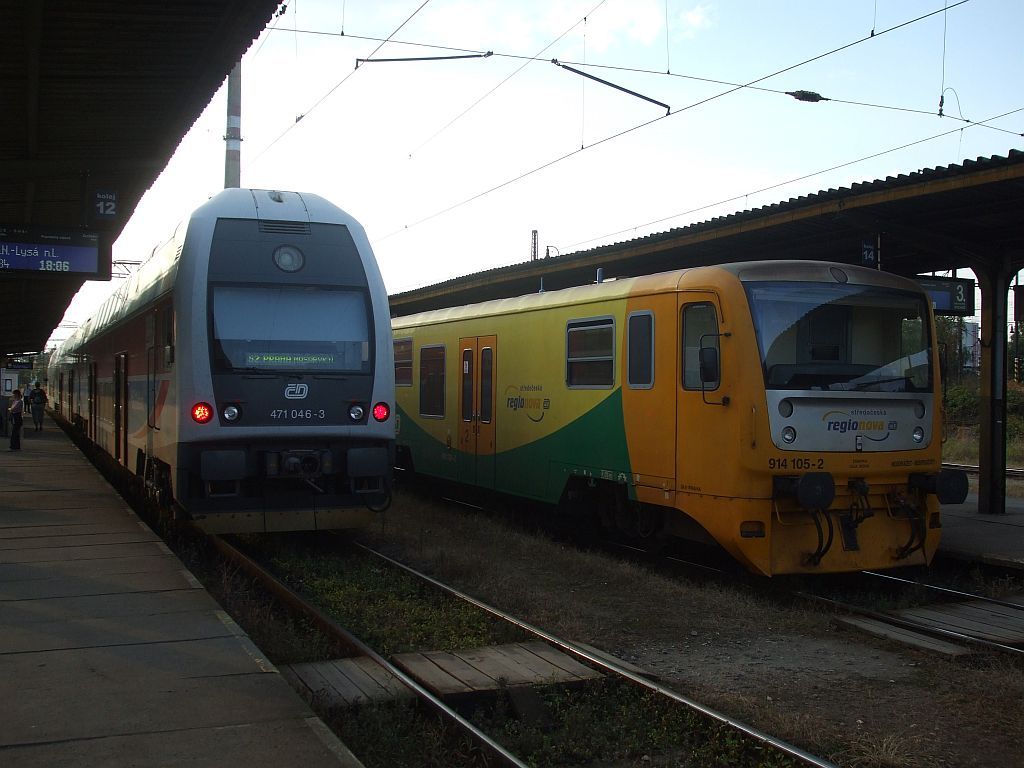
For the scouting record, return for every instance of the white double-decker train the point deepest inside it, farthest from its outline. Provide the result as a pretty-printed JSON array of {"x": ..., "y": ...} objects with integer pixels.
[{"x": 244, "y": 375}]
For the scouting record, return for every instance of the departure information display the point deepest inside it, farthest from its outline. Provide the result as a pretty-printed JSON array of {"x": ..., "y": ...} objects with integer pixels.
[
  {"x": 950, "y": 295},
  {"x": 46, "y": 251}
]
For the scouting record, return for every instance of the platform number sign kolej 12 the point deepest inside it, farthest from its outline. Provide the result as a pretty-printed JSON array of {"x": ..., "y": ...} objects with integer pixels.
[{"x": 105, "y": 204}]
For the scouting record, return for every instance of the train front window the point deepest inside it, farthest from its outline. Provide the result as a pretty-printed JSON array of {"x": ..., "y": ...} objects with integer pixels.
[
  {"x": 293, "y": 328},
  {"x": 841, "y": 337}
]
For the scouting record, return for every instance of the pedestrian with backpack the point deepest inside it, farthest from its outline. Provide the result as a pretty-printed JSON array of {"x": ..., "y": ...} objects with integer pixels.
[{"x": 37, "y": 399}]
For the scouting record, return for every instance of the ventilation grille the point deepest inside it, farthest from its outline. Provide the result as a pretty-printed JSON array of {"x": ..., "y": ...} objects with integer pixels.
[{"x": 285, "y": 227}]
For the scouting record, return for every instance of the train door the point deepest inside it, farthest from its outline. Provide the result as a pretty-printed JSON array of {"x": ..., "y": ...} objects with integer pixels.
[
  {"x": 701, "y": 437},
  {"x": 649, "y": 390},
  {"x": 476, "y": 410},
  {"x": 121, "y": 408},
  {"x": 151, "y": 388},
  {"x": 93, "y": 397},
  {"x": 151, "y": 379}
]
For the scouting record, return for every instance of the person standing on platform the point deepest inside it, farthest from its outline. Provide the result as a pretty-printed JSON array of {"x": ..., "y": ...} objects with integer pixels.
[
  {"x": 37, "y": 401},
  {"x": 17, "y": 409}
]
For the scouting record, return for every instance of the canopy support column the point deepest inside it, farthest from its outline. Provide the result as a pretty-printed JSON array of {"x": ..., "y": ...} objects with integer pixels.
[{"x": 994, "y": 276}]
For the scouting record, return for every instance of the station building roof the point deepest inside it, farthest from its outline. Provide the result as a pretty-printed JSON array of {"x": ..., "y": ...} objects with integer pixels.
[{"x": 97, "y": 95}]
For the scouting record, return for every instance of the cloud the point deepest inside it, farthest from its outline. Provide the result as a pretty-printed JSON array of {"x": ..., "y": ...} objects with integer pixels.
[{"x": 692, "y": 21}]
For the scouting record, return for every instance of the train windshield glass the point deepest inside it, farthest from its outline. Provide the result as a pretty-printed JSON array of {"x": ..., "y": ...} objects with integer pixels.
[
  {"x": 270, "y": 328},
  {"x": 841, "y": 337}
]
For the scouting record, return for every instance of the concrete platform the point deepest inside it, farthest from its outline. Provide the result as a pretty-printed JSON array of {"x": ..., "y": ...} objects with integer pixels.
[
  {"x": 994, "y": 539},
  {"x": 111, "y": 653}
]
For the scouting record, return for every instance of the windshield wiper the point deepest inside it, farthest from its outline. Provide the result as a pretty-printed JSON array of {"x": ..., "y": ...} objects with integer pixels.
[{"x": 861, "y": 385}]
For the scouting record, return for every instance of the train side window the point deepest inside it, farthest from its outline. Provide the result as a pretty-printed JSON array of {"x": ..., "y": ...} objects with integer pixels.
[
  {"x": 590, "y": 353},
  {"x": 486, "y": 384},
  {"x": 640, "y": 350},
  {"x": 403, "y": 362},
  {"x": 432, "y": 381},
  {"x": 700, "y": 327}
]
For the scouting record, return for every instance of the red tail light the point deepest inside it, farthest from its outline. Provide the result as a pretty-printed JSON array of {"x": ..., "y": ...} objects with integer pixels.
[
  {"x": 381, "y": 411},
  {"x": 202, "y": 412}
]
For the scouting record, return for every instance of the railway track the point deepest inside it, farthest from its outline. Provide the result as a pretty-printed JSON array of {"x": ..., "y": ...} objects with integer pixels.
[
  {"x": 295, "y": 602},
  {"x": 407, "y": 670},
  {"x": 956, "y": 623},
  {"x": 973, "y": 469}
]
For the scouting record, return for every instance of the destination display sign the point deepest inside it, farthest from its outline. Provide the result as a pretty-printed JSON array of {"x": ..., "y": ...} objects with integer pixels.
[
  {"x": 950, "y": 295},
  {"x": 47, "y": 251}
]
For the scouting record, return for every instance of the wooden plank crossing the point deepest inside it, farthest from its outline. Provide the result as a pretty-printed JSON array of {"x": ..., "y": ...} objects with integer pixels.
[
  {"x": 494, "y": 667},
  {"x": 976, "y": 618},
  {"x": 345, "y": 682},
  {"x": 903, "y": 635}
]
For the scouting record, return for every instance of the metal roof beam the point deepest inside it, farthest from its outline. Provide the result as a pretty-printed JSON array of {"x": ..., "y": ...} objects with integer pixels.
[{"x": 33, "y": 44}]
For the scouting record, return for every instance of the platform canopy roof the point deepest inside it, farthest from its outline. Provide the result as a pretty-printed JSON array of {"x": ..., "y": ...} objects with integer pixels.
[
  {"x": 96, "y": 96},
  {"x": 959, "y": 216}
]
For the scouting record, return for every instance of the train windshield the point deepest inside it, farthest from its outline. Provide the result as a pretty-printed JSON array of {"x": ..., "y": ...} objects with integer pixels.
[
  {"x": 293, "y": 328},
  {"x": 817, "y": 336}
]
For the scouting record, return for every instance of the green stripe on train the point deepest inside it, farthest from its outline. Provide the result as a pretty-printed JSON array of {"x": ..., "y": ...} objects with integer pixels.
[{"x": 593, "y": 445}]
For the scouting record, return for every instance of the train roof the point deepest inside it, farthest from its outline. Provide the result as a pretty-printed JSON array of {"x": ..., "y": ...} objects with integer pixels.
[
  {"x": 156, "y": 274},
  {"x": 661, "y": 282}
]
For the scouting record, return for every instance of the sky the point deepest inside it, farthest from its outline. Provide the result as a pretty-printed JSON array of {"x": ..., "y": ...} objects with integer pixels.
[{"x": 451, "y": 164}]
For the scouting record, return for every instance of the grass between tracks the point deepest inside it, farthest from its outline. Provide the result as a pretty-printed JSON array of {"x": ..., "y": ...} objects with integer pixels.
[{"x": 602, "y": 723}]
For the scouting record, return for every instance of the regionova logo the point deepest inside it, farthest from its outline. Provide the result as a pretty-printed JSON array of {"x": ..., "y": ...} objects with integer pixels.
[
  {"x": 869, "y": 422},
  {"x": 529, "y": 399}
]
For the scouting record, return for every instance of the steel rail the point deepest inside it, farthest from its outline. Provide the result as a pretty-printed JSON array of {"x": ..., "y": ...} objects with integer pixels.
[
  {"x": 296, "y": 602},
  {"x": 947, "y": 590},
  {"x": 974, "y": 469},
  {"x": 611, "y": 666},
  {"x": 907, "y": 624}
]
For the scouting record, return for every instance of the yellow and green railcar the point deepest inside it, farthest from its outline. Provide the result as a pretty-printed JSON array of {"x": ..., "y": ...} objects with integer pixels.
[{"x": 790, "y": 411}]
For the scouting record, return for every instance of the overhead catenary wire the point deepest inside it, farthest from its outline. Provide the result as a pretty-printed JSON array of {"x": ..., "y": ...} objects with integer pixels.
[
  {"x": 670, "y": 114},
  {"x": 668, "y": 47},
  {"x": 323, "y": 98},
  {"x": 484, "y": 55},
  {"x": 529, "y": 60},
  {"x": 557, "y": 63},
  {"x": 637, "y": 70},
  {"x": 942, "y": 84},
  {"x": 282, "y": 9},
  {"x": 794, "y": 180}
]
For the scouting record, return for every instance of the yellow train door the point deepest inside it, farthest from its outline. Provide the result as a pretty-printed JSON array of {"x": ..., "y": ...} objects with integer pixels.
[
  {"x": 700, "y": 434},
  {"x": 476, "y": 409}
]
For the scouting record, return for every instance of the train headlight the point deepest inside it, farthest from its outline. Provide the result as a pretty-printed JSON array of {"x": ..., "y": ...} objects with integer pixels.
[
  {"x": 288, "y": 258},
  {"x": 381, "y": 411},
  {"x": 788, "y": 435},
  {"x": 231, "y": 413},
  {"x": 356, "y": 412},
  {"x": 202, "y": 413},
  {"x": 918, "y": 434},
  {"x": 919, "y": 409}
]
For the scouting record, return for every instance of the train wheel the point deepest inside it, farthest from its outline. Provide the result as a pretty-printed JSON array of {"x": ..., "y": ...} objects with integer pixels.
[
  {"x": 379, "y": 502},
  {"x": 650, "y": 521},
  {"x": 626, "y": 514}
]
